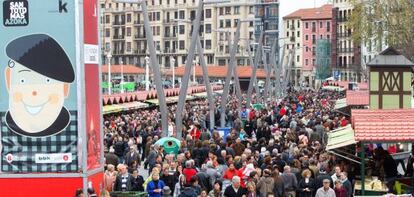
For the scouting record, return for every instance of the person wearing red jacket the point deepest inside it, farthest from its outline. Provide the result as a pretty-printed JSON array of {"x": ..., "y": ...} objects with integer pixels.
[
  {"x": 195, "y": 133},
  {"x": 231, "y": 172},
  {"x": 189, "y": 171}
]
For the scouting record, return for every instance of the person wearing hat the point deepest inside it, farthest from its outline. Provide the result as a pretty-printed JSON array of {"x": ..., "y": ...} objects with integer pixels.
[
  {"x": 38, "y": 74},
  {"x": 38, "y": 78},
  {"x": 325, "y": 190},
  {"x": 266, "y": 183}
]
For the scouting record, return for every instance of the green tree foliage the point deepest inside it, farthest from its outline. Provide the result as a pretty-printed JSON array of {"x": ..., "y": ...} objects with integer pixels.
[{"x": 389, "y": 20}]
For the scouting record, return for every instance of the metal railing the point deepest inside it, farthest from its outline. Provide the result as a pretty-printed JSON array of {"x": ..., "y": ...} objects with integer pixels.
[{"x": 118, "y": 37}]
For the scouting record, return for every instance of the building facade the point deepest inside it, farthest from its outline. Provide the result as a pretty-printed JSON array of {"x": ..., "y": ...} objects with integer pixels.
[
  {"x": 346, "y": 55},
  {"x": 303, "y": 28},
  {"x": 123, "y": 34},
  {"x": 267, "y": 19}
]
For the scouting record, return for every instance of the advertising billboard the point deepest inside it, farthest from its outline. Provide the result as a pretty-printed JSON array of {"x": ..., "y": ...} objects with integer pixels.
[{"x": 38, "y": 109}]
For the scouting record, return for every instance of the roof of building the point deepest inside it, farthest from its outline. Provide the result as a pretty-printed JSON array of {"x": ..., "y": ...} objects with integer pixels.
[
  {"x": 323, "y": 12},
  {"x": 127, "y": 69},
  {"x": 354, "y": 98},
  {"x": 221, "y": 71},
  {"x": 151, "y": 94},
  {"x": 390, "y": 57},
  {"x": 381, "y": 125}
]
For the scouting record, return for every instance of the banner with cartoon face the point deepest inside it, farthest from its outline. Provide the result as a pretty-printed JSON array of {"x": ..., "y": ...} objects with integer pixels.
[{"x": 38, "y": 116}]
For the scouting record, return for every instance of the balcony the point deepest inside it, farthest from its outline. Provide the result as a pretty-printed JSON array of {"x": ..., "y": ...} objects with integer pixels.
[
  {"x": 141, "y": 51},
  {"x": 139, "y": 36},
  {"x": 168, "y": 50},
  {"x": 118, "y": 23},
  {"x": 342, "y": 19},
  {"x": 344, "y": 35},
  {"x": 292, "y": 38},
  {"x": 118, "y": 52},
  {"x": 345, "y": 50},
  {"x": 119, "y": 37},
  {"x": 292, "y": 27},
  {"x": 138, "y": 22}
]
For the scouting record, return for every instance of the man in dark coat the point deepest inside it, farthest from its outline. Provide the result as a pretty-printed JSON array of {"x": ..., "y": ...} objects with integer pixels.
[
  {"x": 234, "y": 190},
  {"x": 124, "y": 180},
  {"x": 132, "y": 157},
  {"x": 111, "y": 158}
]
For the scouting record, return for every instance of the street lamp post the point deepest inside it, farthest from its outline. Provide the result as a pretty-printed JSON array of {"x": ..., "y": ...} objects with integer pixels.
[
  {"x": 109, "y": 56},
  {"x": 147, "y": 59},
  {"x": 173, "y": 71},
  {"x": 122, "y": 77},
  {"x": 194, "y": 72}
]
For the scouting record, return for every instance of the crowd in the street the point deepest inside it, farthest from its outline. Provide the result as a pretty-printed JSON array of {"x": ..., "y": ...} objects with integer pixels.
[{"x": 274, "y": 151}]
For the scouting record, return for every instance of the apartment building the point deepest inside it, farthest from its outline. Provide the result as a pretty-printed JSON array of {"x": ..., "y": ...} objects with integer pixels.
[
  {"x": 267, "y": 19},
  {"x": 346, "y": 55},
  {"x": 302, "y": 30},
  {"x": 123, "y": 33}
]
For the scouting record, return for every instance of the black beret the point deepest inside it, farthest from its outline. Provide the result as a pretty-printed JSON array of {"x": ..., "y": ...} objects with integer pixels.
[{"x": 41, "y": 53}]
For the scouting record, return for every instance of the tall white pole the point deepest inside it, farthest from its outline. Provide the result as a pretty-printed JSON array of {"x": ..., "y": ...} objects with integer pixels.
[
  {"x": 122, "y": 77},
  {"x": 173, "y": 71},
  {"x": 194, "y": 68},
  {"x": 109, "y": 74},
  {"x": 147, "y": 73}
]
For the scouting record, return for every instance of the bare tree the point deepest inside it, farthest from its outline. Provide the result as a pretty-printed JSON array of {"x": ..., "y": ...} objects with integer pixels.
[{"x": 388, "y": 22}]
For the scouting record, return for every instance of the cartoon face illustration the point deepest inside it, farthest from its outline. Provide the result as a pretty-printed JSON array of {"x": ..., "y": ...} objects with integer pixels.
[{"x": 37, "y": 79}]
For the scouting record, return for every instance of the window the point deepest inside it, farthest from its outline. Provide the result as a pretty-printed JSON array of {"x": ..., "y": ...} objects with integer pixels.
[
  {"x": 228, "y": 10},
  {"x": 328, "y": 26},
  {"x": 298, "y": 24},
  {"x": 184, "y": 59},
  {"x": 297, "y": 58},
  {"x": 251, "y": 24},
  {"x": 236, "y": 9},
  {"x": 182, "y": 43},
  {"x": 328, "y": 37},
  {"x": 313, "y": 26},
  {"x": 208, "y": 44},
  {"x": 298, "y": 34},
  {"x": 228, "y": 23},
  {"x": 182, "y": 14},
  {"x": 307, "y": 25},
  {"x": 320, "y": 24},
  {"x": 251, "y": 10},
  {"x": 128, "y": 18},
  {"x": 236, "y": 21},
  {"x": 306, "y": 37},
  {"x": 107, "y": 46},
  {"x": 158, "y": 16},
  {"x": 129, "y": 46},
  {"x": 208, "y": 28},
  {"x": 221, "y": 11},
  {"x": 313, "y": 62},
  {"x": 107, "y": 19},
  {"x": 181, "y": 29},
  {"x": 208, "y": 13},
  {"x": 313, "y": 39},
  {"x": 307, "y": 49},
  {"x": 321, "y": 36},
  {"x": 287, "y": 34},
  {"x": 306, "y": 62},
  {"x": 128, "y": 31},
  {"x": 107, "y": 32},
  {"x": 221, "y": 23}
]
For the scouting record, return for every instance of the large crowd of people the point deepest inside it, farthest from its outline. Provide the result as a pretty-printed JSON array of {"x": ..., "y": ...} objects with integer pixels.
[{"x": 277, "y": 150}]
